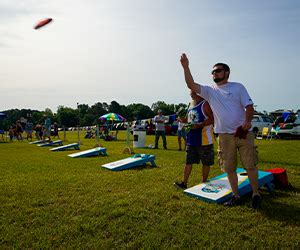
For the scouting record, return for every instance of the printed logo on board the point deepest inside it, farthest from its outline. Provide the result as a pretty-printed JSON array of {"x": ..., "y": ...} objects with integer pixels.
[{"x": 213, "y": 188}]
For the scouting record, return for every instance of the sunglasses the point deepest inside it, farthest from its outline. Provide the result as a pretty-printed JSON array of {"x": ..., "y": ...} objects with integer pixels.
[{"x": 217, "y": 71}]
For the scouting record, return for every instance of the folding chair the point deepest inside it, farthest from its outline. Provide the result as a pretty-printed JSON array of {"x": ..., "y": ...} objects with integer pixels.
[
  {"x": 273, "y": 134},
  {"x": 2, "y": 132},
  {"x": 263, "y": 134}
]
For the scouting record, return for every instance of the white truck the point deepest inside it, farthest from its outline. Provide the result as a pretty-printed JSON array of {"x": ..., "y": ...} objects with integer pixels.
[{"x": 261, "y": 121}]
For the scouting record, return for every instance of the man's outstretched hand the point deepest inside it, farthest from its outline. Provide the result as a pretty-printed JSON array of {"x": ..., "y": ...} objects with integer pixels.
[{"x": 184, "y": 61}]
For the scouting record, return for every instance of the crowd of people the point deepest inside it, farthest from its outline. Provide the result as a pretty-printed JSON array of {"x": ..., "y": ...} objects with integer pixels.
[{"x": 42, "y": 130}]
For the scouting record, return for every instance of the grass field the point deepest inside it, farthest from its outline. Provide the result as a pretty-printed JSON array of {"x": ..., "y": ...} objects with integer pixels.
[{"x": 49, "y": 200}]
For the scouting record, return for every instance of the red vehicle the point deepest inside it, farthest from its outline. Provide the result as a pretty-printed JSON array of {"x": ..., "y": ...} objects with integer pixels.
[{"x": 170, "y": 129}]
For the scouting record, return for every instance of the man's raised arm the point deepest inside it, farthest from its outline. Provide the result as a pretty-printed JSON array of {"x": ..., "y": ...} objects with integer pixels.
[{"x": 188, "y": 75}]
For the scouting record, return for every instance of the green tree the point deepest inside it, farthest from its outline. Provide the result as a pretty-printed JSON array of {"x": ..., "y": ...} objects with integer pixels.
[
  {"x": 37, "y": 116},
  {"x": 99, "y": 109},
  {"x": 138, "y": 111},
  {"x": 161, "y": 105},
  {"x": 180, "y": 105},
  {"x": 115, "y": 107},
  {"x": 67, "y": 117},
  {"x": 89, "y": 119},
  {"x": 83, "y": 109}
]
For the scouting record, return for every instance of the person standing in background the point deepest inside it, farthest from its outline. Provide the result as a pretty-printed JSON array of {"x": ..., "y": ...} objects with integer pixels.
[
  {"x": 28, "y": 130},
  {"x": 181, "y": 133},
  {"x": 160, "y": 128},
  {"x": 47, "y": 128}
]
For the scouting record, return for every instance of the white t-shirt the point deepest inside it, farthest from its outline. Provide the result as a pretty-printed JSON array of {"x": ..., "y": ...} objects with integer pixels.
[
  {"x": 228, "y": 104},
  {"x": 180, "y": 125},
  {"x": 160, "y": 122}
]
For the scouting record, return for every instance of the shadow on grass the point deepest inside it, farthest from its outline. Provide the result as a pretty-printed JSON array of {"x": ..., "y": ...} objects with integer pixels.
[
  {"x": 282, "y": 163},
  {"x": 143, "y": 167},
  {"x": 280, "y": 210},
  {"x": 139, "y": 168}
]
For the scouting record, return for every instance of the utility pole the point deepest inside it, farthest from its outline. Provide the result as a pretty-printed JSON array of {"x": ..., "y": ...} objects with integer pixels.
[{"x": 78, "y": 126}]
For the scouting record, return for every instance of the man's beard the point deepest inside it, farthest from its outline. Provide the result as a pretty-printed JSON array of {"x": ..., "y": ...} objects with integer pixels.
[{"x": 217, "y": 80}]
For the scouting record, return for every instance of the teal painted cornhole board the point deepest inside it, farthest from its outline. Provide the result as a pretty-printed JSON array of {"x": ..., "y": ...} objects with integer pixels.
[
  {"x": 91, "y": 152},
  {"x": 64, "y": 147},
  {"x": 131, "y": 162},
  {"x": 51, "y": 143},
  {"x": 217, "y": 190},
  {"x": 38, "y": 142}
]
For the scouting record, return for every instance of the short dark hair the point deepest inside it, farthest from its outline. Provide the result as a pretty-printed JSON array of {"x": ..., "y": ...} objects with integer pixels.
[{"x": 224, "y": 66}]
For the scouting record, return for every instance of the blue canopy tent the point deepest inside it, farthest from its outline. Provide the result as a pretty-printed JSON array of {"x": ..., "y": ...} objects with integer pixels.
[
  {"x": 2, "y": 116},
  {"x": 2, "y": 132},
  {"x": 285, "y": 115}
]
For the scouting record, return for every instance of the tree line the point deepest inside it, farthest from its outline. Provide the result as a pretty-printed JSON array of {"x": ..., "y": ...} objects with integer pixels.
[{"x": 85, "y": 115}]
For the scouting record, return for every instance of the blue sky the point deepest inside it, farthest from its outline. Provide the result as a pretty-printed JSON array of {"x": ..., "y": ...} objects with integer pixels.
[{"x": 129, "y": 50}]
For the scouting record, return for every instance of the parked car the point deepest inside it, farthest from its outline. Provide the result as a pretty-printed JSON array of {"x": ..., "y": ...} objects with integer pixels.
[
  {"x": 137, "y": 125},
  {"x": 259, "y": 122},
  {"x": 289, "y": 127},
  {"x": 171, "y": 129}
]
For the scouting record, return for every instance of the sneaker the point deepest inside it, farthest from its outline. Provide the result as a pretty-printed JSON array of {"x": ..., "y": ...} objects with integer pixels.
[
  {"x": 256, "y": 200},
  {"x": 180, "y": 185},
  {"x": 234, "y": 201},
  {"x": 165, "y": 148}
]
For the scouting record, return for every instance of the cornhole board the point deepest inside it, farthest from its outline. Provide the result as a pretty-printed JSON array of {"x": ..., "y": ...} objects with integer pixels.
[
  {"x": 64, "y": 147},
  {"x": 51, "y": 143},
  {"x": 91, "y": 152},
  {"x": 130, "y": 162},
  {"x": 38, "y": 142},
  {"x": 217, "y": 190}
]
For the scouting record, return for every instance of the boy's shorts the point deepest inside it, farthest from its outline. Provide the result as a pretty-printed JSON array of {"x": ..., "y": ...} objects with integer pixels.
[
  {"x": 228, "y": 145},
  {"x": 181, "y": 133},
  {"x": 195, "y": 154},
  {"x": 46, "y": 133}
]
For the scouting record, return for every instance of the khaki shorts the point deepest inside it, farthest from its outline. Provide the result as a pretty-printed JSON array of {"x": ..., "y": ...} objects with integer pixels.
[{"x": 228, "y": 145}]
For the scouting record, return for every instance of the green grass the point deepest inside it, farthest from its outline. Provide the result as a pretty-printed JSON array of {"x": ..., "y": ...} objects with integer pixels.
[{"x": 49, "y": 200}]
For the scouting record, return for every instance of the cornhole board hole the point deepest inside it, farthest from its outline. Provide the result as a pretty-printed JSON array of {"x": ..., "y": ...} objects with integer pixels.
[
  {"x": 130, "y": 162},
  {"x": 51, "y": 143},
  {"x": 38, "y": 142},
  {"x": 64, "y": 147},
  {"x": 91, "y": 152},
  {"x": 217, "y": 190}
]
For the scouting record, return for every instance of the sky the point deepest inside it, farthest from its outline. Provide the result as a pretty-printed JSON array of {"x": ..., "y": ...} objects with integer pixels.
[{"x": 129, "y": 50}]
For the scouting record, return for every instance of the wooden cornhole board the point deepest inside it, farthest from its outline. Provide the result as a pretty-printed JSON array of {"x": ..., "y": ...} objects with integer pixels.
[
  {"x": 130, "y": 162},
  {"x": 64, "y": 147},
  {"x": 217, "y": 190},
  {"x": 39, "y": 142},
  {"x": 51, "y": 143},
  {"x": 91, "y": 152}
]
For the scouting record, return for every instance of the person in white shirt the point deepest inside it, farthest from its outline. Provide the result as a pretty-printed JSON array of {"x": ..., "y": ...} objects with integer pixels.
[
  {"x": 181, "y": 133},
  {"x": 233, "y": 110},
  {"x": 160, "y": 128}
]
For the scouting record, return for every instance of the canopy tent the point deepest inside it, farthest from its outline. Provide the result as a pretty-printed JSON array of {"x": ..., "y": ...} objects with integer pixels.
[
  {"x": 2, "y": 116},
  {"x": 112, "y": 117},
  {"x": 2, "y": 132}
]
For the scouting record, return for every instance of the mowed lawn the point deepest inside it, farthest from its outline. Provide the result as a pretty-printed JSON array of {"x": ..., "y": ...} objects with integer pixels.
[{"x": 49, "y": 200}]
